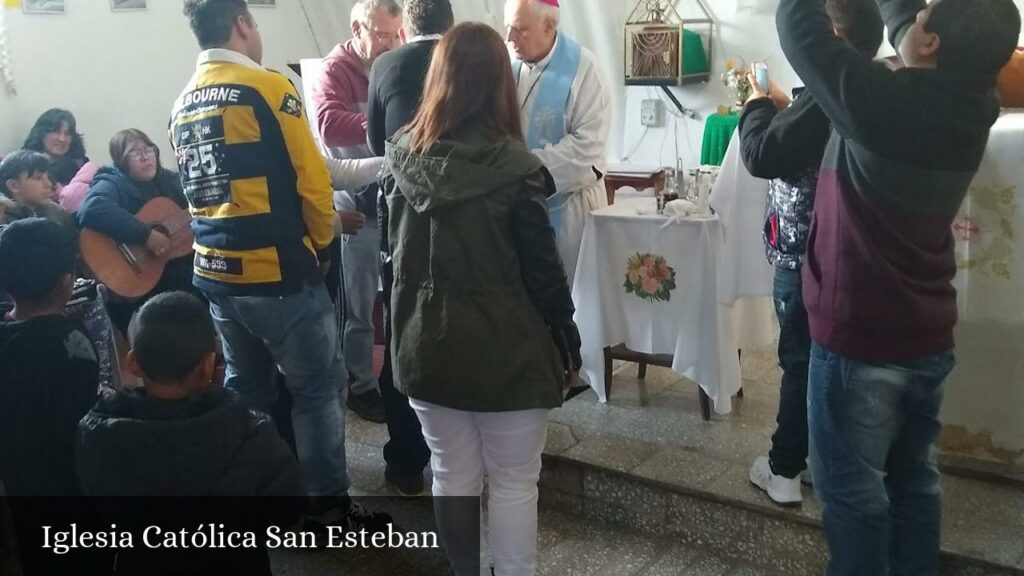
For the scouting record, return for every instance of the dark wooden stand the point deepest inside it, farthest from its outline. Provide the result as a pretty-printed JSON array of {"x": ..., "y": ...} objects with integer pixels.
[
  {"x": 615, "y": 180},
  {"x": 620, "y": 352}
]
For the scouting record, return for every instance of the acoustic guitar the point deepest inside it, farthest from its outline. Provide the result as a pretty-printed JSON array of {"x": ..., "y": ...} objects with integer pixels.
[{"x": 131, "y": 270}]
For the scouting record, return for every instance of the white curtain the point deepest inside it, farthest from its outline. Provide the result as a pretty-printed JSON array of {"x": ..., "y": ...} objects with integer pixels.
[{"x": 6, "y": 72}]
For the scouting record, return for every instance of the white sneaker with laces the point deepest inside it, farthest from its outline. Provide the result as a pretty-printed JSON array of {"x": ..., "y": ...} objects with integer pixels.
[{"x": 784, "y": 491}]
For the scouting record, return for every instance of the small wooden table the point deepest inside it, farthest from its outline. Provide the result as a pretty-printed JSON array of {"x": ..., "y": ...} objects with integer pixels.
[{"x": 639, "y": 180}]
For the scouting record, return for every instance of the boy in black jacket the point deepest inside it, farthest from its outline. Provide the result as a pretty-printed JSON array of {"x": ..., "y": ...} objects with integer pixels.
[
  {"x": 877, "y": 278},
  {"x": 786, "y": 146},
  {"x": 49, "y": 379},
  {"x": 184, "y": 437}
]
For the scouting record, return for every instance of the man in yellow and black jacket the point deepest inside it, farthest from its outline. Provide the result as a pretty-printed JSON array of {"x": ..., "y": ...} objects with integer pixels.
[
  {"x": 258, "y": 186},
  {"x": 260, "y": 195}
]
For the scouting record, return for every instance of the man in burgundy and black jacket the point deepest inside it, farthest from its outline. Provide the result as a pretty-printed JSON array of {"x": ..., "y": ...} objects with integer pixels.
[{"x": 877, "y": 278}]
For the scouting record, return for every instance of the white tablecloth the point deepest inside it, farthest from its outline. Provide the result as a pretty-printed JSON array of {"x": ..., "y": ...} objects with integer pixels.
[
  {"x": 614, "y": 306},
  {"x": 984, "y": 408},
  {"x": 745, "y": 276},
  {"x": 990, "y": 282}
]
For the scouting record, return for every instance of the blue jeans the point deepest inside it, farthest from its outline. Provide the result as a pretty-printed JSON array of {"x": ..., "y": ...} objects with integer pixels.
[
  {"x": 873, "y": 433},
  {"x": 788, "y": 455},
  {"x": 360, "y": 257},
  {"x": 298, "y": 335}
]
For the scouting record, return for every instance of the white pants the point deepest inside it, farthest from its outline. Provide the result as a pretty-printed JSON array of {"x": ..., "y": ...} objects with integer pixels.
[
  {"x": 574, "y": 219},
  {"x": 507, "y": 447}
]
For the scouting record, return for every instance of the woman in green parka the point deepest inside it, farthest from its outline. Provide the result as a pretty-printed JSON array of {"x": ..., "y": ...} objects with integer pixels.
[{"x": 483, "y": 336}]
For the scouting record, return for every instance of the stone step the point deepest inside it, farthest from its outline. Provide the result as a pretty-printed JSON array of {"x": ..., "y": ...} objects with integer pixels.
[{"x": 757, "y": 533}]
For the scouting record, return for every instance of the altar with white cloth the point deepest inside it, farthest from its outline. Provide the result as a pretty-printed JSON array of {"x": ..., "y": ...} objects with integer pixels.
[
  {"x": 982, "y": 412},
  {"x": 651, "y": 283}
]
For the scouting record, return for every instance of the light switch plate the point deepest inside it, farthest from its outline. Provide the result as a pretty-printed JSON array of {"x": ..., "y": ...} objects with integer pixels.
[{"x": 652, "y": 113}]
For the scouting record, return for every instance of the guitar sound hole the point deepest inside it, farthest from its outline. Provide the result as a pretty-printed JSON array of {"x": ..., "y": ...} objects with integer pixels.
[{"x": 162, "y": 229}]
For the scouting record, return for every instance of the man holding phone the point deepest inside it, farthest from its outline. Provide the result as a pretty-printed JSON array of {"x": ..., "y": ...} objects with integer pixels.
[
  {"x": 904, "y": 148},
  {"x": 784, "y": 143}
]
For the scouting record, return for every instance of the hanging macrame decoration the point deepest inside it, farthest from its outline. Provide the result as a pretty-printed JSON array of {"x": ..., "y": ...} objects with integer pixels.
[
  {"x": 6, "y": 72},
  {"x": 665, "y": 49}
]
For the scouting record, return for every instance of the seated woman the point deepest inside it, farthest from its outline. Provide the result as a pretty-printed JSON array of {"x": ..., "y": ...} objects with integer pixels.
[
  {"x": 55, "y": 134},
  {"x": 118, "y": 192}
]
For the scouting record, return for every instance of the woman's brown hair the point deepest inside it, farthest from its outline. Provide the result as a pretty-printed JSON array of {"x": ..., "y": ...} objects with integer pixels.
[
  {"x": 469, "y": 87},
  {"x": 122, "y": 142}
]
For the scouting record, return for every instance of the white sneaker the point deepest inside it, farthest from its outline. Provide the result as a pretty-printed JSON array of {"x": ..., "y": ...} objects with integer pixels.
[
  {"x": 784, "y": 491},
  {"x": 807, "y": 476}
]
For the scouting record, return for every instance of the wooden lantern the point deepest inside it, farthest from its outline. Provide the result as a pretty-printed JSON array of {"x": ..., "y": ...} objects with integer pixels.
[{"x": 663, "y": 48}]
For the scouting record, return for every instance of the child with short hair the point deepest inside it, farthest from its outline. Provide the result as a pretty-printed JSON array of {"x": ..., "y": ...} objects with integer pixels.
[
  {"x": 48, "y": 369},
  {"x": 48, "y": 381},
  {"x": 26, "y": 189},
  {"x": 183, "y": 435}
]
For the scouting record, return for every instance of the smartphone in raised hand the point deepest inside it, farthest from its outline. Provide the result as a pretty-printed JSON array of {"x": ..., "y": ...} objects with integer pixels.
[{"x": 760, "y": 70}]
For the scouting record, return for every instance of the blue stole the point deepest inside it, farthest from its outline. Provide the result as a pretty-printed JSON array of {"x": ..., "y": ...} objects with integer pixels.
[{"x": 547, "y": 121}]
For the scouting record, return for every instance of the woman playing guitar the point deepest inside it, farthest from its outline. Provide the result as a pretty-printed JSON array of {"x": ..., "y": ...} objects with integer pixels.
[{"x": 143, "y": 245}]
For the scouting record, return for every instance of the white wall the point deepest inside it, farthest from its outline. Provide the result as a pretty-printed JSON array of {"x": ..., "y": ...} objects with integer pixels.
[
  {"x": 123, "y": 70},
  {"x": 119, "y": 70},
  {"x": 8, "y": 135},
  {"x": 747, "y": 32}
]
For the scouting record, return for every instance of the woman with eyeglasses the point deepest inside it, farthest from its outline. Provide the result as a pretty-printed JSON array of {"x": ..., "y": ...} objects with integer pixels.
[{"x": 117, "y": 193}]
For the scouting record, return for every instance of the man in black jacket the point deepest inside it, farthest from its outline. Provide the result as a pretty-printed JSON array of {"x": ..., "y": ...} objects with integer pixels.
[
  {"x": 904, "y": 149},
  {"x": 786, "y": 146},
  {"x": 396, "y": 88}
]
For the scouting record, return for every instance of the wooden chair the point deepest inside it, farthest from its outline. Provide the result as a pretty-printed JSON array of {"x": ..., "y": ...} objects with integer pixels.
[{"x": 620, "y": 352}]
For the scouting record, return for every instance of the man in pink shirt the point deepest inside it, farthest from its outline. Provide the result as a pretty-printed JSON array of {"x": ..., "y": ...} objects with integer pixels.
[{"x": 339, "y": 101}]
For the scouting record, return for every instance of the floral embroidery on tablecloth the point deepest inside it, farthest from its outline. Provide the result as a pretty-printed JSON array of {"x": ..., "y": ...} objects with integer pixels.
[
  {"x": 984, "y": 231},
  {"x": 650, "y": 278}
]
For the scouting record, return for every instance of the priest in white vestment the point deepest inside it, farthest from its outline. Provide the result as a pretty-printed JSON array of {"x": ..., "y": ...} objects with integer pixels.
[{"x": 566, "y": 114}]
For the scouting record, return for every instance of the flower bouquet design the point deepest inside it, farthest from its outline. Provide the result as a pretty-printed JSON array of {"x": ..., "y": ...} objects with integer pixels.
[{"x": 650, "y": 278}]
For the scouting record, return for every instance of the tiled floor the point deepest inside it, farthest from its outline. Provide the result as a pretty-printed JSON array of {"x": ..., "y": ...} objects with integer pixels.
[
  {"x": 568, "y": 545},
  {"x": 652, "y": 429}
]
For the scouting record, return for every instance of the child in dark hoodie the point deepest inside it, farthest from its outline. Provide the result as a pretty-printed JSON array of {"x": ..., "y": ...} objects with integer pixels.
[
  {"x": 185, "y": 437},
  {"x": 877, "y": 285},
  {"x": 48, "y": 381},
  {"x": 786, "y": 146}
]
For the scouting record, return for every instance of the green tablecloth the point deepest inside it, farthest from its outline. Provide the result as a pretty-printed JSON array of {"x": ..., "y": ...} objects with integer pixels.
[{"x": 718, "y": 131}]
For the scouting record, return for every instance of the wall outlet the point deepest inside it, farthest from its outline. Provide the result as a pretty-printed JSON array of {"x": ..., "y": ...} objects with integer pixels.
[{"x": 652, "y": 113}]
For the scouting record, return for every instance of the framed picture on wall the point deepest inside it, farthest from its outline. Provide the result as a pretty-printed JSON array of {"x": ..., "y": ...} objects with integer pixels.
[
  {"x": 262, "y": 3},
  {"x": 43, "y": 6},
  {"x": 125, "y": 5}
]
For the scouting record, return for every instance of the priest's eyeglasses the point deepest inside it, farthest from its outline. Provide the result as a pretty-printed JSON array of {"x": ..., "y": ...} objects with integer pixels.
[{"x": 383, "y": 36}]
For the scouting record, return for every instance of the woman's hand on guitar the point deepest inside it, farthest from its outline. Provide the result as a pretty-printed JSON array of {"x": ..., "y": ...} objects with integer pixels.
[{"x": 158, "y": 243}]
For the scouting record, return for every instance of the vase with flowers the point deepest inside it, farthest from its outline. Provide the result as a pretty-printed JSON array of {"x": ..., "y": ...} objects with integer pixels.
[{"x": 736, "y": 80}]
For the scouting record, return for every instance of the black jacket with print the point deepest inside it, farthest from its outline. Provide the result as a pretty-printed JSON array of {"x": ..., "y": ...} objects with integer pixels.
[{"x": 786, "y": 147}]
